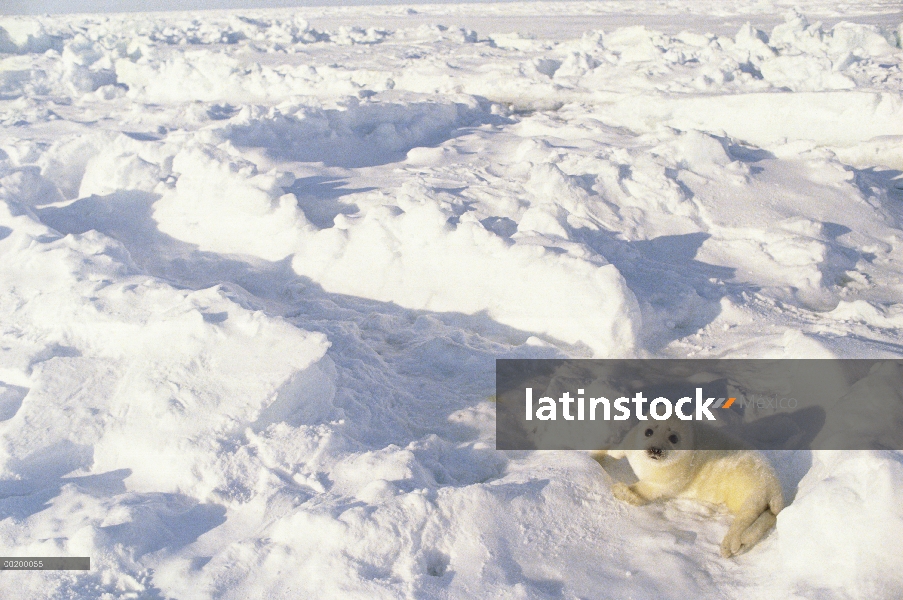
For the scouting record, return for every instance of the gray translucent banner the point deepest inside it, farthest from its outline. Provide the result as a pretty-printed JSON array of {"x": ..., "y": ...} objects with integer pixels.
[
  {"x": 583, "y": 404},
  {"x": 45, "y": 563}
]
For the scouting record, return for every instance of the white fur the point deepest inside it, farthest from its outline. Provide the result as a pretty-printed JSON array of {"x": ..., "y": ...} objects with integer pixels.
[{"x": 682, "y": 467}]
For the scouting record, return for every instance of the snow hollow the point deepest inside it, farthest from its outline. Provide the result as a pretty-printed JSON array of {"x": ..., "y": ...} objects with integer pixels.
[{"x": 256, "y": 268}]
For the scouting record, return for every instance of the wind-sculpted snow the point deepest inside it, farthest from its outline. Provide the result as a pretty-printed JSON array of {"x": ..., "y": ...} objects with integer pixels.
[
  {"x": 256, "y": 268},
  {"x": 358, "y": 134}
]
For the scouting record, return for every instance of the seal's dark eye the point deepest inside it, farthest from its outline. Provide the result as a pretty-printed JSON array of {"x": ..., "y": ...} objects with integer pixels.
[
  {"x": 673, "y": 438},
  {"x": 649, "y": 432}
]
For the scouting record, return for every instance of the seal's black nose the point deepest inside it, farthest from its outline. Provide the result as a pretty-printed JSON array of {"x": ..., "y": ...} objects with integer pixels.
[{"x": 654, "y": 453}]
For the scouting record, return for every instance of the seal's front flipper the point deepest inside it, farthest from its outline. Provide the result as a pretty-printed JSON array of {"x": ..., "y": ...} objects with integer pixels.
[{"x": 627, "y": 493}]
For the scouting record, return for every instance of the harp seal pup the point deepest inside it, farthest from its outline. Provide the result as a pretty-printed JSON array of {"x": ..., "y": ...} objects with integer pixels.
[{"x": 674, "y": 463}]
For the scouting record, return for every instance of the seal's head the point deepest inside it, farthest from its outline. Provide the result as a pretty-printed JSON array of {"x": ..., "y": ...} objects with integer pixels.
[{"x": 659, "y": 439}]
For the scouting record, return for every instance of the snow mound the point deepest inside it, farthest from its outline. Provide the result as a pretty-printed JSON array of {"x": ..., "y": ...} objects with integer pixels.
[
  {"x": 122, "y": 339},
  {"x": 222, "y": 204},
  {"x": 415, "y": 258},
  {"x": 66, "y": 161},
  {"x": 26, "y": 36},
  {"x": 858, "y": 485},
  {"x": 357, "y": 134}
]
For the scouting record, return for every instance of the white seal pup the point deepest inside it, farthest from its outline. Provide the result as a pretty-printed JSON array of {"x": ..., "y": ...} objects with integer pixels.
[{"x": 674, "y": 463}]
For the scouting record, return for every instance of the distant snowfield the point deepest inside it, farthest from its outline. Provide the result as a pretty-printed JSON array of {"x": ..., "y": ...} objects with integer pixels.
[{"x": 256, "y": 267}]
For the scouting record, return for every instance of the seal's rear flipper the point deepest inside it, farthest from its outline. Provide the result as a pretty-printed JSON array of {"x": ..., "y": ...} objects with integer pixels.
[{"x": 757, "y": 530}]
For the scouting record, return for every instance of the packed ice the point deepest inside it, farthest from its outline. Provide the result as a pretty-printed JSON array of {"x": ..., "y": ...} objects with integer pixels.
[{"x": 256, "y": 268}]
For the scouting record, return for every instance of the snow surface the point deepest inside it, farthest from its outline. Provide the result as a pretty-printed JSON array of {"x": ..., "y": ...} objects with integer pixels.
[{"x": 256, "y": 267}]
